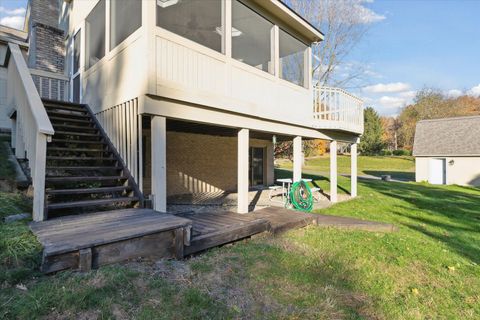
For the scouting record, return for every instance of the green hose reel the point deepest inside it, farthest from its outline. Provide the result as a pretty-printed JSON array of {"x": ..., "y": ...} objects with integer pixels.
[{"x": 301, "y": 196}]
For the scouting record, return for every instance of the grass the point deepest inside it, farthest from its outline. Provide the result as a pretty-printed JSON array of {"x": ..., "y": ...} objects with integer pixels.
[
  {"x": 401, "y": 167},
  {"x": 429, "y": 269}
]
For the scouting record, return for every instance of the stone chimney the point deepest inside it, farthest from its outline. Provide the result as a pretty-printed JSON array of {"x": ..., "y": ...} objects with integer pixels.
[{"x": 46, "y": 39}]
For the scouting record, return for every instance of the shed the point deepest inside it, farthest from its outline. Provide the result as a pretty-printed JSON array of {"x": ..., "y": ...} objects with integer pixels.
[{"x": 447, "y": 151}]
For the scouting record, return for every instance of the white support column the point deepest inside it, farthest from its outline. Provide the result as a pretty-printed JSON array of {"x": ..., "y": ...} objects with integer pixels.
[
  {"x": 242, "y": 166},
  {"x": 38, "y": 177},
  {"x": 353, "y": 173},
  {"x": 333, "y": 171},
  {"x": 297, "y": 159},
  {"x": 159, "y": 163}
]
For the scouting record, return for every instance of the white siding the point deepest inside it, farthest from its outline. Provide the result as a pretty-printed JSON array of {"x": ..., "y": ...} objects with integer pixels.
[
  {"x": 4, "y": 109},
  {"x": 459, "y": 170}
]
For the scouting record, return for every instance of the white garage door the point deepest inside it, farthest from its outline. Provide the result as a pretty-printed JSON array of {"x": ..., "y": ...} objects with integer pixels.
[{"x": 437, "y": 174}]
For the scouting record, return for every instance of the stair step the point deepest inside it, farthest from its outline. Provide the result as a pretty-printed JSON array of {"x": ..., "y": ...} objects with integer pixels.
[
  {"x": 64, "y": 107},
  {"x": 83, "y": 178},
  {"x": 81, "y": 158},
  {"x": 69, "y": 133},
  {"x": 69, "y": 115},
  {"x": 67, "y": 126},
  {"x": 89, "y": 203},
  {"x": 83, "y": 168},
  {"x": 54, "y": 119},
  {"x": 72, "y": 141},
  {"x": 76, "y": 149},
  {"x": 88, "y": 190}
]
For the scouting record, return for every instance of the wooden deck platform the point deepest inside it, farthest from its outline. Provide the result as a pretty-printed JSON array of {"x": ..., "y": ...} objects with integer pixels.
[{"x": 86, "y": 241}]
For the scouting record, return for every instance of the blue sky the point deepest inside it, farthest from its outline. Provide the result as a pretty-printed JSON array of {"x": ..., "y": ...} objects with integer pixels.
[
  {"x": 416, "y": 44},
  {"x": 411, "y": 44}
]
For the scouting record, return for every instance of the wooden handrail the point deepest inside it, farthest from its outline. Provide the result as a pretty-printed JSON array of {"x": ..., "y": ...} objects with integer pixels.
[
  {"x": 34, "y": 101},
  {"x": 33, "y": 128}
]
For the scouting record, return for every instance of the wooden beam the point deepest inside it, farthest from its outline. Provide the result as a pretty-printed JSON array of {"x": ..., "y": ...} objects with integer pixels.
[{"x": 85, "y": 260}]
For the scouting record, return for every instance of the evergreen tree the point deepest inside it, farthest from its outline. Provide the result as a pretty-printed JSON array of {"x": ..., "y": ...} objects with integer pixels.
[{"x": 371, "y": 142}]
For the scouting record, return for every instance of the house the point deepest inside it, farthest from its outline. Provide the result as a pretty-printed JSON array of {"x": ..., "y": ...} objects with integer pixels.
[
  {"x": 14, "y": 36},
  {"x": 137, "y": 101},
  {"x": 447, "y": 151}
]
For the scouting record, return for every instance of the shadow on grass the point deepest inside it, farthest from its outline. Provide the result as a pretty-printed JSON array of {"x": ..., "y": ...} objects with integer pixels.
[
  {"x": 397, "y": 175},
  {"x": 448, "y": 215},
  {"x": 284, "y": 173}
]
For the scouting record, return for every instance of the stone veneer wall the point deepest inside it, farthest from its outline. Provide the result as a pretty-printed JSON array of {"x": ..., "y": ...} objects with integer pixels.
[{"x": 47, "y": 43}]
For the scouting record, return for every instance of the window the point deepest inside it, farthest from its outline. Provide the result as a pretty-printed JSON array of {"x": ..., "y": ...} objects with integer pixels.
[
  {"x": 251, "y": 37},
  {"x": 197, "y": 20},
  {"x": 95, "y": 34},
  {"x": 76, "y": 52},
  {"x": 292, "y": 58},
  {"x": 125, "y": 19}
]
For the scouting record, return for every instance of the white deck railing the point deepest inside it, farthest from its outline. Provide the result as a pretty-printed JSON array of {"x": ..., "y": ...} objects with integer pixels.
[
  {"x": 123, "y": 125},
  {"x": 51, "y": 85},
  {"x": 32, "y": 128},
  {"x": 335, "y": 108}
]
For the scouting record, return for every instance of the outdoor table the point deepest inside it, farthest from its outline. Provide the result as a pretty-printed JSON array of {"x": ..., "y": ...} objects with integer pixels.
[{"x": 288, "y": 182}]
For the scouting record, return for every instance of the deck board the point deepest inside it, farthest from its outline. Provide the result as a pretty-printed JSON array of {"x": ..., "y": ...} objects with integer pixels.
[{"x": 78, "y": 232}]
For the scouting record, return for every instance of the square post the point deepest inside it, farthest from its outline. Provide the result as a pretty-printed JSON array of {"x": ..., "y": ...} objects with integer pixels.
[
  {"x": 297, "y": 159},
  {"x": 243, "y": 169},
  {"x": 353, "y": 173},
  {"x": 159, "y": 163},
  {"x": 333, "y": 171}
]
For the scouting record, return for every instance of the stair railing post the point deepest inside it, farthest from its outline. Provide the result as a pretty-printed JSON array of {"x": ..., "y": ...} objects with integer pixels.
[{"x": 38, "y": 177}]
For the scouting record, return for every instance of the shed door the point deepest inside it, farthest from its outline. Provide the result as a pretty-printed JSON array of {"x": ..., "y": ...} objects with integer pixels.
[{"x": 437, "y": 174}]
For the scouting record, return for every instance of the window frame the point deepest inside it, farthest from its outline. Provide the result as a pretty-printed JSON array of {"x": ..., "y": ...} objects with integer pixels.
[
  {"x": 108, "y": 20},
  {"x": 106, "y": 35},
  {"x": 273, "y": 53},
  {"x": 306, "y": 60}
]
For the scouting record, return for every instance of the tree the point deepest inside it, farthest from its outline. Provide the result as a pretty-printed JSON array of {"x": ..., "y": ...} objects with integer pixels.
[
  {"x": 390, "y": 127},
  {"x": 432, "y": 104},
  {"x": 371, "y": 142},
  {"x": 344, "y": 24}
]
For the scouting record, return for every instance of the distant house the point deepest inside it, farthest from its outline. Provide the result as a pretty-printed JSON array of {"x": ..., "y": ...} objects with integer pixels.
[{"x": 447, "y": 151}]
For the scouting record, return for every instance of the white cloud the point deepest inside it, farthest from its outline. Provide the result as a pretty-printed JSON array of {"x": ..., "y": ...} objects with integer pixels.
[
  {"x": 392, "y": 102},
  {"x": 387, "y": 87},
  {"x": 408, "y": 94},
  {"x": 454, "y": 93},
  {"x": 366, "y": 15},
  {"x": 475, "y": 91},
  {"x": 12, "y": 12},
  {"x": 13, "y": 18},
  {"x": 15, "y": 22}
]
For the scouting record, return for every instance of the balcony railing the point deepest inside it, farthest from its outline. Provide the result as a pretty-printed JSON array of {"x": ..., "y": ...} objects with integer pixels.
[
  {"x": 52, "y": 86},
  {"x": 335, "y": 108}
]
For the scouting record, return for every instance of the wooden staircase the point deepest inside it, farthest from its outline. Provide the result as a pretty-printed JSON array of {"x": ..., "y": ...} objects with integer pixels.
[{"x": 84, "y": 172}]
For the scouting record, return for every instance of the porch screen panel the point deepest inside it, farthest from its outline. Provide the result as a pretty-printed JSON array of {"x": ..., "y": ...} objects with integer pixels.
[
  {"x": 125, "y": 19},
  {"x": 197, "y": 20},
  {"x": 251, "y": 37},
  {"x": 76, "y": 51},
  {"x": 292, "y": 58},
  {"x": 95, "y": 34}
]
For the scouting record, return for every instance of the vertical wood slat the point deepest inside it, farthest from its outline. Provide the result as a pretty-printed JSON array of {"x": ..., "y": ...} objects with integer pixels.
[{"x": 123, "y": 125}]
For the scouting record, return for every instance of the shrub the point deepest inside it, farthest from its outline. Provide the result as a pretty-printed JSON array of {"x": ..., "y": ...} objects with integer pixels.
[{"x": 402, "y": 152}]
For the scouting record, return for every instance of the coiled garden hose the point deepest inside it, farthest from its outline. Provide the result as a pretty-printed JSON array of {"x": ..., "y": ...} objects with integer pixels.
[{"x": 301, "y": 196}]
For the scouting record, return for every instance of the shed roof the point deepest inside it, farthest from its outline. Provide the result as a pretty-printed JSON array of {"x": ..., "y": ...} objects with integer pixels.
[{"x": 448, "y": 137}]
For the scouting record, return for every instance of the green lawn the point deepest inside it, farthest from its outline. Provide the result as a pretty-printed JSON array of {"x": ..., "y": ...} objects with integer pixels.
[
  {"x": 429, "y": 269},
  {"x": 398, "y": 167}
]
